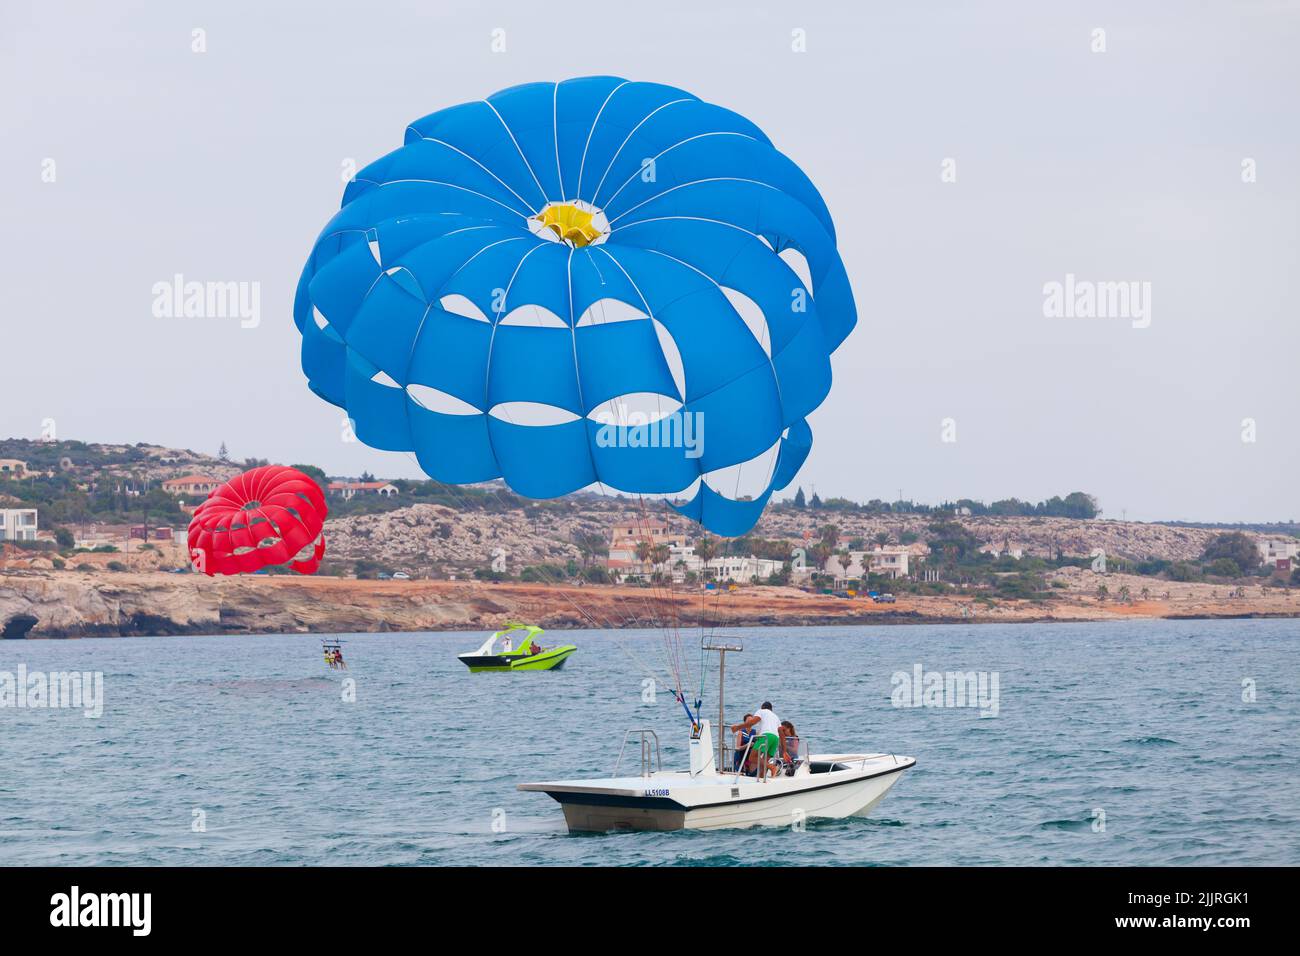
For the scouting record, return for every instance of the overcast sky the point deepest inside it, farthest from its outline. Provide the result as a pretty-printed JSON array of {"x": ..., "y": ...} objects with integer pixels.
[{"x": 1122, "y": 165}]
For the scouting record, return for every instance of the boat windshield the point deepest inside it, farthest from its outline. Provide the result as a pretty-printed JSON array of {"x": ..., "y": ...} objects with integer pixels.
[{"x": 512, "y": 638}]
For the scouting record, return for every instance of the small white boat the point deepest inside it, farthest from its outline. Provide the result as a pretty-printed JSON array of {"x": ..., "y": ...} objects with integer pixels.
[
  {"x": 823, "y": 786},
  {"x": 711, "y": 795}
]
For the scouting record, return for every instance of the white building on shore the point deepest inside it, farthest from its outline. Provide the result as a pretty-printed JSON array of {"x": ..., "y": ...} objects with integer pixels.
[
  {"x": 742, "y": 570},
  {"x": 17, "y": 524},
  {"x": 682, "y": 560},
  {"x": 1280, "y": 553},
  {"x": 886, "y": 561},
  {"x": 625, "y": 538}
]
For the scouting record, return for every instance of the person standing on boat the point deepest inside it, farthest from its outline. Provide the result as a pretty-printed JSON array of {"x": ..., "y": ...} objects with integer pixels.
[{"x": 767, "y": 741}]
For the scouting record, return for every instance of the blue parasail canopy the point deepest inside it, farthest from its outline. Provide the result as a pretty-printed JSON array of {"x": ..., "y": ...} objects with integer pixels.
[{"x": 494, "y": 295}]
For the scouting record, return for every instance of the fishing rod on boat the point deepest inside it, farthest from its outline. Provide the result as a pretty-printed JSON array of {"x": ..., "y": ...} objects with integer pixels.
[{"x": 694, "y": 718}]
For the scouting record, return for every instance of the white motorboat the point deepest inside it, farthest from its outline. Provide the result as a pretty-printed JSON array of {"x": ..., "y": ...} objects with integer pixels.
[
  {"x": 703, "y": 798},
  {"x": 710, "y": 795}
]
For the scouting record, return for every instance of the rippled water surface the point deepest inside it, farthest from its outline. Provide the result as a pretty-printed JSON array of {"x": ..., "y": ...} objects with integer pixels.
[{"x": 1143, "y": 722}]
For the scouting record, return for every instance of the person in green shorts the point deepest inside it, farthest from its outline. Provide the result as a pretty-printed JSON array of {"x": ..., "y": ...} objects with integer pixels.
[{"x": 767, "y": 741}]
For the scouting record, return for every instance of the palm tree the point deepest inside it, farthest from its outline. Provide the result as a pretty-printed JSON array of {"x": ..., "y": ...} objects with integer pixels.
[
  {"x": 706, "y": 548},
  {"x": 1103, "y": 592},
  {"x": 644, "y": 549}
]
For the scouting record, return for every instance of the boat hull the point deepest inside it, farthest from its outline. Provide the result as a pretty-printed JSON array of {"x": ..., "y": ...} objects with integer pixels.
[
  {"x": 551, "y": 659},
  {"x": 676, "y": 801}
]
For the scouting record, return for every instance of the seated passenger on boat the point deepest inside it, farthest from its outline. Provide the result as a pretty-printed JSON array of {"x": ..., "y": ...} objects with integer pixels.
[{"x": 742, "y": 752}]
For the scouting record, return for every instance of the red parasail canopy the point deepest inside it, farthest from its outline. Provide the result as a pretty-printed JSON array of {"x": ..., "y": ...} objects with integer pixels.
[{"x": 268, "y": 516}]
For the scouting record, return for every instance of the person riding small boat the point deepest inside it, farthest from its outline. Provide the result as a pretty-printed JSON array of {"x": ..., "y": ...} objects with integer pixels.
[
  {"x": 789, "y": 747},
  {"x": 498, "y": 652},
  {"x": 767, "y": 740},
  {"x": 741, "y": 754}
]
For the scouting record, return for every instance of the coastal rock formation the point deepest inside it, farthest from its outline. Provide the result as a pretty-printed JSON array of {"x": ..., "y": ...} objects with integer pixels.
[
  {"x": 74, "y": 604},
  {"x": 87, "y": 604}
]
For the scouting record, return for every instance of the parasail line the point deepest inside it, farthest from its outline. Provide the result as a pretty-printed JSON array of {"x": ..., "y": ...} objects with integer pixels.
[
  {"x": 519, "y": 149},
  {"x": 613, "y": 159},
  {"x": 582, "y": 167},
  {"x": 669, "y": 149},
  {"x": 457, "y": 149},
  {"x": 693, "y": 182}
]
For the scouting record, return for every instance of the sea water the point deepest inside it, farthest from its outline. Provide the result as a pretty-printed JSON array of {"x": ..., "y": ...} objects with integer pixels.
[{"x": 1131, "y": 743}]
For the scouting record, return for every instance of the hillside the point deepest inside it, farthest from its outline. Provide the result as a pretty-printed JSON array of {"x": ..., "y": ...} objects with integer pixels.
[
  {"x": 421, "y": 538},
  {"x": 434, "y": 529}
]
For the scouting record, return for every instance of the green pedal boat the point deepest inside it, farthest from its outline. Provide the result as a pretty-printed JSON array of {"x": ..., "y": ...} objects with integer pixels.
[{"x": 516, "y": 648}]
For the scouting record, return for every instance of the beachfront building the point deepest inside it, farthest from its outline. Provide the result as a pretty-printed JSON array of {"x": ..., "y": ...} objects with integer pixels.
[
  {"x": 624, "y": 539},
  {"x": 743, "y": 569},
  {"x": 1279, "y": 553},
  {"x": 350, "y": 489},
  {"x": 682, "y": 560},
  {"x": 17, "y": 524},
  {"x": 845, "y": 571},
  {"x": 12, "y": 468},
  {"x": 890, "y": 562},
  {"x": 192, "y": 486},
  {"x": 625, "y": 565}
]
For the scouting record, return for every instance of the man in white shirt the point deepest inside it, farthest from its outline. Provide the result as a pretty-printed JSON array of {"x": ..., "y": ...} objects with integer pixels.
[{"x": 766, "y": 743}]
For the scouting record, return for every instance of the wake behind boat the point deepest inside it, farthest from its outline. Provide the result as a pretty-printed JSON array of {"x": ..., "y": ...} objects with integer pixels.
[{"x": 501, "y": 653}]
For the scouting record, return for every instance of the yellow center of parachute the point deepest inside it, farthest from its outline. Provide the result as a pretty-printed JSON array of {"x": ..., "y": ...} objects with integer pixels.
[{"x": 569, "y": 223}]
